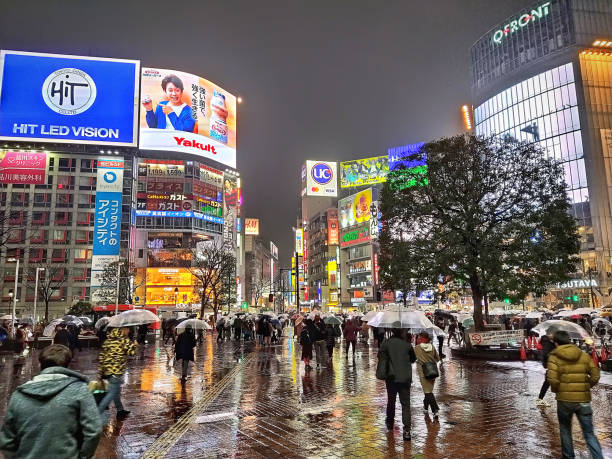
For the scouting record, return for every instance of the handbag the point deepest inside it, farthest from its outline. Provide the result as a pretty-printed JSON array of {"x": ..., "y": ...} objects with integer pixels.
[
  {"x": 430, "y": 370},
  {"x": 98, "y": 389},
  {"x": 383, "y": 367}
]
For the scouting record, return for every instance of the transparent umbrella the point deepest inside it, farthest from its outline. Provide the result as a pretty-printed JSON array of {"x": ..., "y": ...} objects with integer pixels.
[
  {"x": 195, "y": 324},
  {"x": 575, "y": 331},
  {"x": 399, "y": 317},
  {"x": 7, "y": 317},
  {"x": 103, "y": 321},
  {"x": 369, "y": 316},
  {"x": 132, "y": 318},
  {"x": 602, "y": 323},
  {"x": 49, "y": 329},
  {"x": 74, "y": 319},
  {"x": 86, "y": 320}
]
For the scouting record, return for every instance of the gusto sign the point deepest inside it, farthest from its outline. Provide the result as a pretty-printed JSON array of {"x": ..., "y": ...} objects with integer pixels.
[{"x": 522, "y": 21}]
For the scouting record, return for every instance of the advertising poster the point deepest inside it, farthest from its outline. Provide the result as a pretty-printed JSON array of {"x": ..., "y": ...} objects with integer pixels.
[
  {"x": 361, "y": 172},
  {"x": 23, "y": 167},
  {"x": 107, "y": 218},
  {"x": 356, "y": 236},
  {"x": 68, "y": 99},
  {"x": 251, "y": 226},
  {"x": 299, "y": 241},
  {"x": 332, "y": 227},
  {"x": 273, "y": 250},
  {"x": 398, "y": 155},
  {"x": 321, "y": 179},
  {"x": 355, "y": 209},
  {"x": 188, "y": 114},
  {"x": 230, "y": 204}
]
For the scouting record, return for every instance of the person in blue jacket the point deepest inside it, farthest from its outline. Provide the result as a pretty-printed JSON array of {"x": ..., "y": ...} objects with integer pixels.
[{"x": 172, "y": 114}]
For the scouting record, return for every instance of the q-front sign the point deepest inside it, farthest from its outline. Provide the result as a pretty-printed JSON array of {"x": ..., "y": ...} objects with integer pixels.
[
  {"x": 520, "y": 22},
  {"x": 578, "y": 283}
]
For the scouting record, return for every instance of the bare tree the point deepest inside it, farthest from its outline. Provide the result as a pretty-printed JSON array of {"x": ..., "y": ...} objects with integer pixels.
[
  {"x": 212, "y": 262},
  {"x": 51, "y": 279},
  {"x": 128, "y": 283}
]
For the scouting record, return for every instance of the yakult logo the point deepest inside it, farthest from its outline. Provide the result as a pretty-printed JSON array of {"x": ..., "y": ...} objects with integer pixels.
[
  {"x": 322, "y": 173},
  {"x": 69, "y": 91}
]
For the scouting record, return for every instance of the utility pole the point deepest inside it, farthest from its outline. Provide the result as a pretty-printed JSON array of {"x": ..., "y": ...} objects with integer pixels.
[{"x": 117, "y": 290}]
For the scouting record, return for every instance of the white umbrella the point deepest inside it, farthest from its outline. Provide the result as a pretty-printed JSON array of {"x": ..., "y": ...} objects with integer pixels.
[
  {"x": 132, "y": 318},
  {"x": 583, "y": 311},
  {"x": 606, "y": 323},
  {"x": 102, "y": 321},
  {"x": 7, "y": 317},
  {"x": 400, "y": 317},
  {"x": 534, "y": 315},
  {"x": 195, "y": 324},
  {"x": 50, "y": 329},
  {"x": 566, "y": 313},
  {"x": 369, "y": 315},
  {"x": 74, "y": 319},
  {"x": 550, "y": 326}
]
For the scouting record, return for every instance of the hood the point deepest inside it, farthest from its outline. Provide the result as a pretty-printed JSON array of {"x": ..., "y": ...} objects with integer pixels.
[
  {"x": 568, "y": 352},
  {"x": 50, "y": 382},
  {"x": 115, "y": 333},
  {"x": 427, "y": 347}
]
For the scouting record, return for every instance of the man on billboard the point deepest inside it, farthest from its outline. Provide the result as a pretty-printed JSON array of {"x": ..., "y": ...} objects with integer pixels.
[{"x": 172, "y": 114}]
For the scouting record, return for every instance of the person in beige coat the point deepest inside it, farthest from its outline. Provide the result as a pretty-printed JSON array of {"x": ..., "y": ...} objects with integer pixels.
[{"x": 426, "y": 352}]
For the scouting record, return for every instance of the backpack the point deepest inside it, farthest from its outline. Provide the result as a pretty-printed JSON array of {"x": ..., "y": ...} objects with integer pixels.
[{"x": 305, "y": 338}]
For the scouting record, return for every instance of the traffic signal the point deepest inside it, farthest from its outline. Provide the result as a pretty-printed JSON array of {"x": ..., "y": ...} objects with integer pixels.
[
  {"x": 378, "y": 295},
  {"x": 575, "y": 298},
  {"x": 507, "y": 300}
]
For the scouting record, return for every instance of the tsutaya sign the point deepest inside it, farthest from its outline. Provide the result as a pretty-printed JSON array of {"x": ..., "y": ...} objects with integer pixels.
[
  {"x": 521, "y": 21},
  {"x": 578, "y": 283}
]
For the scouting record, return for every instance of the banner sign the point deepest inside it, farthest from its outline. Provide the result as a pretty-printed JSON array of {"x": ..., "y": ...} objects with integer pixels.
[
  {"x": 68, "y": 99},
  {"x": 398, "y": 155},
  {"x": 23, "y": 167},
  {"x": 188, "y": 114},
  {"x": 361, "y": 172},
  {"x": 273, "y": 250},
  {"x": 332, "y": 226},
  {"x": 299, "y": 241},
  {"x": 493, "y": 338},
  {"x": 355, "y": 237}
]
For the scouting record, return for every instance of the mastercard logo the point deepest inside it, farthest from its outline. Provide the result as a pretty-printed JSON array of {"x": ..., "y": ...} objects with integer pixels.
[{"x": 314, "y": 188}]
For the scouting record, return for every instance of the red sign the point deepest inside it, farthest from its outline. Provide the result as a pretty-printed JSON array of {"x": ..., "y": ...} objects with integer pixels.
[
  {"x": 376, "y": 269},
  {"x": 22, "y": 167}
]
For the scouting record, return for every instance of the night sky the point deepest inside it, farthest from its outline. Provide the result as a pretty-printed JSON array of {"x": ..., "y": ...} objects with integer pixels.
[{"x": 325, "y": 80}]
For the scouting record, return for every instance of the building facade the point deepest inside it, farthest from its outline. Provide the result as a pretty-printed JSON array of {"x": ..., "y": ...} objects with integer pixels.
[{"x": 544, "y": 75}]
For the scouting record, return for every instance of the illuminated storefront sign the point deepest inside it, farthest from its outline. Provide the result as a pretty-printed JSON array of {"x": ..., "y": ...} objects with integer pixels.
[
  {"x": 355, "y": 209},
  {"x": 321, "y": 178},
  {"x": 520, "y": 22},
  {"x": 398, "y": 155},
  {"x": 251, "y": 226},
  {"x": 578, "y": 283},
  {"x": 299, "y": 241},
  {"x": 361, "y": 172},
  {"x": 332, "y": 226},
  {"x": 178, "y": 214},
  {"x": 23, "y": 167},
  {"x": 355, "y": 237}
]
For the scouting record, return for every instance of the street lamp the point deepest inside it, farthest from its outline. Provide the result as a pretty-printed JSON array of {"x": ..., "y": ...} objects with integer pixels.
[{"x": 36, "y": 292}]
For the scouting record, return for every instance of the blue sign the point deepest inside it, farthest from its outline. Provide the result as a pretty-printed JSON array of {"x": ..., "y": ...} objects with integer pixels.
[
  {"x": 107, "y": 223},
  {"x": 397, "y": 156},
  {"x": 178, "y": 214},
  {"x": 322, "y": 173},
  {"x": 68, "y": 99}
]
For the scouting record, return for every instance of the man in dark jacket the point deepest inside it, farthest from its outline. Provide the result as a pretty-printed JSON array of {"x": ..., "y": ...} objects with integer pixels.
[
  {"x": 397, "y": 356},
  {"x": 571, "y": 374},
  {"x": 53, "y": 415},
  {"x": 62, "y": 336},
  {"x": 184, "y": 350}
]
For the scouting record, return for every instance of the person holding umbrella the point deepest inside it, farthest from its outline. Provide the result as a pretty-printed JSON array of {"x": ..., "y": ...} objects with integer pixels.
[
  {"x": 184, "y": 350},
  {"x": 112, "y": 363},
  {"x": 395, "y": 359}
]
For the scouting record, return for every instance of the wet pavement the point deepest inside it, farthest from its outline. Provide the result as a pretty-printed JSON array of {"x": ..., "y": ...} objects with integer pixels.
[{"x": 243, "y": 401}]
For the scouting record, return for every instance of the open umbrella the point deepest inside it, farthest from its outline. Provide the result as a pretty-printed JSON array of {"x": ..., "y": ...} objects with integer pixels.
[
  {"x": 86, "y": 320},
  {"x": 72, "y": 319},
  {"x": 102, "y": 322},
  {"x": 50, "y": 329},
  {"x": 574, "y": 330},
  {"x": 534, "y": 315},
  {"x": 467, "y": 322},
  {"x": 332, "y": 320},
  {"x": 399, "y": 317},
  {"x": 566, "y": 313},
  {"x": 295, "y": 316},
  {"x": 195, "y": 324},
  {"x": 369, "y": 315},
  {"x": 132, "y": 318},
  {"x": 584, "y": 311}
]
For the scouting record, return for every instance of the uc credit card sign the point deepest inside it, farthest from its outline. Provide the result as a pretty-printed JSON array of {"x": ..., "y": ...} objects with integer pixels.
[{"x": 68, "y": 99}]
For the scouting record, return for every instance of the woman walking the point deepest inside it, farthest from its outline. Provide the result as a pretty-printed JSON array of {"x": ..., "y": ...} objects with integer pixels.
[
  {"x": 306, "y": 343},
  {"x": 184, "y": 350},
  {"x": 427, "y": 359}
]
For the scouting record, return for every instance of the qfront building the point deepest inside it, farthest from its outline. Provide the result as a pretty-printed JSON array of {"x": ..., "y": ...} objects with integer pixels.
[
  {"x": 544, "y": 75},
  {"x": 102, "y": 161}
]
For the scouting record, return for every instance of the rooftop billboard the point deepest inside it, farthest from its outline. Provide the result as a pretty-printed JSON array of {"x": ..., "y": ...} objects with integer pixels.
[
  {"x": 321, "y": 178},
  {"x": 366, "y": 171},
  {"x": 188, "y": 114},
  {"x": 68, "y": 99}
]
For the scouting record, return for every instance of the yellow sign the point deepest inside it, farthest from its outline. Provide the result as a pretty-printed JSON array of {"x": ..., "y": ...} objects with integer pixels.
[
  {"x": 366, "y": 171},
  {"x": 355, "y": 209},
  {"x": 169, "y": 276}
]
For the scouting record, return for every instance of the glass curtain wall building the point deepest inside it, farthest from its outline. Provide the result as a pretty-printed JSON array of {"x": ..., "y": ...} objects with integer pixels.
[{"x": 543, "y": 75}]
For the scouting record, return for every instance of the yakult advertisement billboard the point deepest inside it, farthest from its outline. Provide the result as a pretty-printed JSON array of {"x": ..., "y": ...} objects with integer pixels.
[
  {"x": 188, "y": 114},
  {"x": 68, "y": 99}
]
